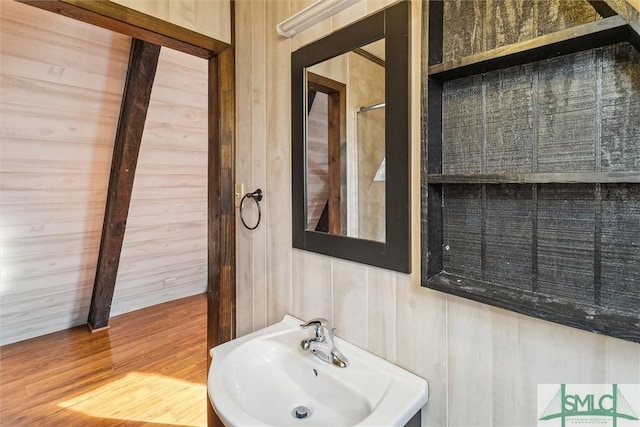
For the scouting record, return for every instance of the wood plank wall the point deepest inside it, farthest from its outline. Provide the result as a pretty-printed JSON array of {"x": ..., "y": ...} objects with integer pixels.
[
  {"x": 477, "y": 26},
  {"x": 579, "y": 112},
  {"x": 62, "y": 83},
  {"x": 483, "y": 364}
]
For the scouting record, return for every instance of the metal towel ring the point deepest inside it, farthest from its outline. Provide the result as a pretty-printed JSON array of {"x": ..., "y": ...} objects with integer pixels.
[{"x": 257, "y": 197}]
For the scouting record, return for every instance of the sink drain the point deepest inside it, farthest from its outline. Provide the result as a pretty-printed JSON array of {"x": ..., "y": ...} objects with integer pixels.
[{"x": 301, "y": 412}]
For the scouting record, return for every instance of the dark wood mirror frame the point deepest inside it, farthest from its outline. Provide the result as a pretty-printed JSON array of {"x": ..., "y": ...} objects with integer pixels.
[{"x": 394, "y": 253}]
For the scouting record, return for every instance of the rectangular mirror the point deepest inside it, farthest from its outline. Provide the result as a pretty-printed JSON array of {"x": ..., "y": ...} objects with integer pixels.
[{"x": 350, "y": 142}]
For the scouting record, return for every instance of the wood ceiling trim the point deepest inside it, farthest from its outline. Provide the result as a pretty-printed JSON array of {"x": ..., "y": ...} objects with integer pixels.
[{"x": 123, "y": 20}]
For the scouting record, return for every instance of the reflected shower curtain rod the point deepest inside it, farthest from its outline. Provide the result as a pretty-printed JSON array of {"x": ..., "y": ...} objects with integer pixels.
[{"x": 371, "y": 107}]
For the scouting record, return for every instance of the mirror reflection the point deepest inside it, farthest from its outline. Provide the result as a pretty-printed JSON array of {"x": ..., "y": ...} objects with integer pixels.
[{"x": 345, "y": 144}]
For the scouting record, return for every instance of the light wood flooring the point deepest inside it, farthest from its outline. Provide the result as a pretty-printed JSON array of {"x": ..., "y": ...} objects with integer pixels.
[{"x": 148, "y": 369}]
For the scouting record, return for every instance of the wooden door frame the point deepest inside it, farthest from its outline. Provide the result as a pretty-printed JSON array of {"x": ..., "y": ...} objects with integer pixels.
[{"x": 221, "y": 247}]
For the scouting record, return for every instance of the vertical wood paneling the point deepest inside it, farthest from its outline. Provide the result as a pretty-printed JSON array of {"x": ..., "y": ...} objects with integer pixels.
[
  {"x": 182, "y": 13},
  {"x": 509, "y": 240},
  {"x": 251, "y": 163},
  {"x": 509, "y": 120},
  {"x": 623, "y": 362},
  {"x": 373, "y": 5},
  {"x": 554, "y": 354},
  {"x": 472, "y": 27},
  {"x": 528, "y": 352},
  {"x": 157, "y": 8},
  {"x": 381, "y": 312},
  {"x": 259, "y": 156},
  {"x": 508, "y": 22},
  {"x": 620, "y": 108},
  {"x": 423, "y": 313},
  {"x": 469, "y": 364},
  {"x": 466, "y": 36},
  {"x": 314, "y": 32},
  {"x": 567, "y": 115},
  {"x": 566, "y": 241},
  {"x": 620, "y": 247},
  {"x": 208, "y": 17},
  {"x": 506, "y": 395},
  {"x": 349, "y": 15},
  {"x": 350, "y": 301},
  {"x": 244, "y": 163},
  {"x": 462, "y": 230},
  {"x": 557, "y": 15},
  {"x": 277, "y": 201},
  {"x": 462, "y": 126},
  {"x": 315, "y": 298}
]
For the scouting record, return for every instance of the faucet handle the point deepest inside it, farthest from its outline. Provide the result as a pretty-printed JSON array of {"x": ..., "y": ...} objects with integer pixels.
[
  {"x": 320, "y": 324},
  {"x": 319, "y": 321}
]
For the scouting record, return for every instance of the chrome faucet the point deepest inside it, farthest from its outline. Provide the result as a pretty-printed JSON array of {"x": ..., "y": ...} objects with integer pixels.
[{"x": 322, "y": 344}]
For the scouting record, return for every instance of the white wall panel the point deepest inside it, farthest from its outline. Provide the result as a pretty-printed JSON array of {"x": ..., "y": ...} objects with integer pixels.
[
  {"x": 316, "y": 299},
  {"x": 244, "y": 161},
  {"x": 258, "y": 91},
  {"x": 277, "y": 202},
  {"x": 381, "y": 312},
  {"x": 350, "y": 301}
]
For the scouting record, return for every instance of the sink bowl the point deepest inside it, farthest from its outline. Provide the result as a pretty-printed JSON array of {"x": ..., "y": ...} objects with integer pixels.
[{"x": 266, "y": 379}]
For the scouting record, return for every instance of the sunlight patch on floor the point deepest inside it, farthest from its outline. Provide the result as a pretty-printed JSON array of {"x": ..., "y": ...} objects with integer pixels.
[{"x": 145, "y": 397}]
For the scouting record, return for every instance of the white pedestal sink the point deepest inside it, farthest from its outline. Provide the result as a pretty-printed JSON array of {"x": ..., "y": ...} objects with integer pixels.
[{"x": 266, "y": 379}]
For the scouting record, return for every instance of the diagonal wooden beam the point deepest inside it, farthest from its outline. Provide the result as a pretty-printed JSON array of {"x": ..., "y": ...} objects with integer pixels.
[{"x": 143, "y": 62}]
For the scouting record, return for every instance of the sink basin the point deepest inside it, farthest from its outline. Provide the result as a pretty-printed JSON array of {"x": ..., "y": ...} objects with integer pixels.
[{"x": 266, "y": 379}]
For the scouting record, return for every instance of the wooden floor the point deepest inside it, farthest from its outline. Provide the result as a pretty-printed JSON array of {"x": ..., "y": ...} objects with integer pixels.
[{"x": 148, "y": 369}]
